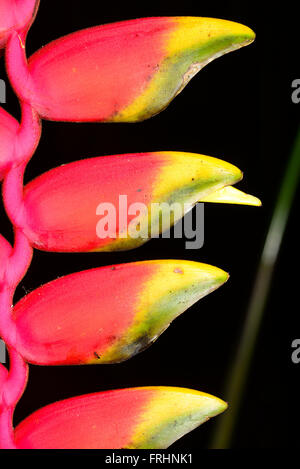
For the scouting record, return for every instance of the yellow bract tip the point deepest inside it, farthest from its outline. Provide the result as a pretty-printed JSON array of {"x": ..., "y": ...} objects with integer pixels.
[
  {"x": 198, "y": 31},
  {"x": 231, "y": 195},
  {"x": 171, "y": 413}
]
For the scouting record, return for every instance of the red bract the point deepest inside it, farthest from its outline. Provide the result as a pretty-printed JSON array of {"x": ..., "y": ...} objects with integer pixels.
[
  {"x": 149, "y": 417},
  {"x": 76, "y": 319},
  {"x": 63, "y": 209},
  {"x": 120, "y": 72}
]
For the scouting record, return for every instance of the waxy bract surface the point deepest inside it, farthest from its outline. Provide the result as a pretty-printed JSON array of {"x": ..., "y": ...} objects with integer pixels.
[
  {"x": 121, "y": 72},
  {"x": 61, "y": 206},
  {"x": 150, "y": 417},
  {"x": 108, "y": 314}
]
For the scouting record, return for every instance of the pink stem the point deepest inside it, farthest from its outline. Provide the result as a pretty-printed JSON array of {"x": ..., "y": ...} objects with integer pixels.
[
  {"x": 16, "y": 380},
  {"x": 29, "y": 133},
  {"x": 12, "y": 191},
  {"x": 18, "y": 261},
  {"x": 6, "y": 429},
  {"x": 17, "y": 66},
  {"x": 17, "y": 265},
  {"x": 27, "y": 140},
  {"x": 7, "y": 324},
  {"x": 12, "y": 390}
]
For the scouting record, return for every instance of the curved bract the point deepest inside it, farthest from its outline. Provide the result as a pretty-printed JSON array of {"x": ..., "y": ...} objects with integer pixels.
[
  {"x": 136, "y": 418},
  {"x": 76, "y": 319},
  {"x": 121, "y": 72},
  {"x": 15, "y": 15},
  {"x": 100, "y": 211}
]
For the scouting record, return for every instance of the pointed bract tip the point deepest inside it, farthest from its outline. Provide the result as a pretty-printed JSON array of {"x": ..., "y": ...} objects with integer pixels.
[
  {"x": 231, "y": 195},
  {"x": 173, "y": 412}
]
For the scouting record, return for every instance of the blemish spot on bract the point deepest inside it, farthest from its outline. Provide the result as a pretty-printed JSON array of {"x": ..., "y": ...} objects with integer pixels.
[{"x": 178, "y": 271}]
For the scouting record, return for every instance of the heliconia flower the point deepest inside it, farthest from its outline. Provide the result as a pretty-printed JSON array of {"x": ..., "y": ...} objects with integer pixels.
[
  {"x": 133, "y": 418},
  {"x": 120, "y": 72},
  {"x": 15, "y": 15},
  {"x": 63, "y": 207},
  {"x": 77, "y": 320}
]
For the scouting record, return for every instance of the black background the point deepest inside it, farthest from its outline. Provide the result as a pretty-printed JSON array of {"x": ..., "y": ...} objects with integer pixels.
[{"x": 237, "y": 108}]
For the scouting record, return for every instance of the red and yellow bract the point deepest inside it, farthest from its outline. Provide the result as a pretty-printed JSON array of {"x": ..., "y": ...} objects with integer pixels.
[
  {"x": 77, "y": 320},
  {"x": 61, "y": 206},
  {"x": 120, "y": 72},
  {"x": 149, "y": 417}
]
